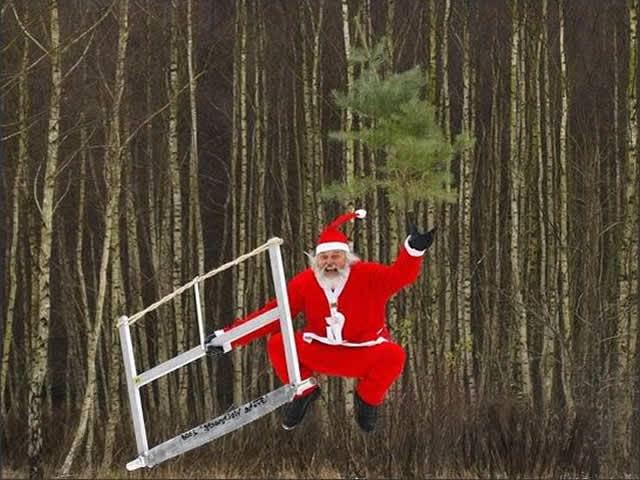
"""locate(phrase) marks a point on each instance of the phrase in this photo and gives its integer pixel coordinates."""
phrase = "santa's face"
(331, 263)
(331, 268)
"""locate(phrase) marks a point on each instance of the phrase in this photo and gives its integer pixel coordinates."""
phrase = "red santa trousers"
(375, 367)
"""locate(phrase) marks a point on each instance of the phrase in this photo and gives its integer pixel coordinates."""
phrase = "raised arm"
(389, 279)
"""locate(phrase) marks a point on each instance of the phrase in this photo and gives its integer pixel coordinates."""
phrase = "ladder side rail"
(135, 402)
(286, 323)
(196, 293)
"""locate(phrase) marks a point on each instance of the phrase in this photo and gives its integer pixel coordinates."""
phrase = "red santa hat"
(333, 239)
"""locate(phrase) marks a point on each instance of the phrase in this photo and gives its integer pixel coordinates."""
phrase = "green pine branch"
(403, 126)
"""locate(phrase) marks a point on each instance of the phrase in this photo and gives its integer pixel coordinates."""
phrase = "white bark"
(564, 262)
(241, 282)
(195, 230)
(40, 330)
(176, 209)
(112, 175)
(464, 202)
(518, 101)
(309, 226)
(23, 107)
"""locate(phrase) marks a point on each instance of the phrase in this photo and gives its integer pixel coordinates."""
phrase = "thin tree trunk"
(133, 262)
(392, 214)
(540, 335)
(195, 230)
(349, 168)
(518, 102)
(176, 211)
(241, 282)
(464, 230)
(549, 161)
(40, 331)
(118, 304)
(564, 324)
(316, 104)
(445, 277)
(12, 280)
(308, 144)
(633, 327)
(259, 200)
(112, 175)
(630, 284)
(373, 214)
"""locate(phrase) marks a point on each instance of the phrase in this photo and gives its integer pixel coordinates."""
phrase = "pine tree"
(401, 123)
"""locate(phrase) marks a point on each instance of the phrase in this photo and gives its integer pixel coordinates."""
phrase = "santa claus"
(343, 300)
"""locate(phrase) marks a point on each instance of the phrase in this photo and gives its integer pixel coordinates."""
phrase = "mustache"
(342, 271)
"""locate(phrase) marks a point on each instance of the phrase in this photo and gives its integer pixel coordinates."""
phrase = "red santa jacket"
(362, 300)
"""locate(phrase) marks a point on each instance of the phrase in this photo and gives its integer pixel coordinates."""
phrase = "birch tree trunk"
(464, 202)
(564, 324)
(22, 160)
(112, 176)
(445, 277)
(316, 104)
(133, 261)
(373, 214)
(83, 287)
(241, 281)
(282, 153)
(635, 367)
(176, 211)
(620, 178)
(550, 162)
(630, 240)
(40, 331)
(258, 200)
(538, 334)
(309, 198)
(159, 220)
(118, 304)
(518, 101)
(196, 235)
(392, 214)
(349, 168)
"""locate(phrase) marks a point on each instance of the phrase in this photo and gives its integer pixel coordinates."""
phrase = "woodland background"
(145, 141)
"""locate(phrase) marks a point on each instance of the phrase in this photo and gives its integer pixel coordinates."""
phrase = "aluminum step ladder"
(231, 420)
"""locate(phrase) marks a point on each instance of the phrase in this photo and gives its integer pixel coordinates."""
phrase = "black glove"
(212, 350)
(420, 241)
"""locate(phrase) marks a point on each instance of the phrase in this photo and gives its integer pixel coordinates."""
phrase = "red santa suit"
(345, 332)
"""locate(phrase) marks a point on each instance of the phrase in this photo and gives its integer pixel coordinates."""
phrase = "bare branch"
(90, 29)
(64, 194)
(155, 114)
(26, 32)
(82, 56)
(35, 189)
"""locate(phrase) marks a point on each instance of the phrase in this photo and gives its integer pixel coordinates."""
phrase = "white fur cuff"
(412, 251)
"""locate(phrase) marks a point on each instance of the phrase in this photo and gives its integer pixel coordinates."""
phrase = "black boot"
(294, 412)
(366, 414)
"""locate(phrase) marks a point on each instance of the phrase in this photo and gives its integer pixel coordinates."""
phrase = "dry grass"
(440, 437)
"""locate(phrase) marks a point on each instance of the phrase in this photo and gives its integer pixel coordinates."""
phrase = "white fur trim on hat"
(325, 247)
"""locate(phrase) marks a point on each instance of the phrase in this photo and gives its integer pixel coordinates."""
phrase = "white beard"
(332, 280)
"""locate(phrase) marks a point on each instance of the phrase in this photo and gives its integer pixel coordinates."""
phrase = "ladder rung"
(215, 428)
(169, 366)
